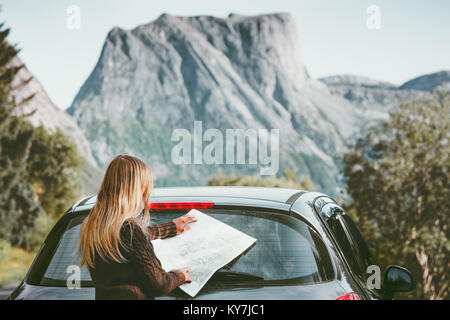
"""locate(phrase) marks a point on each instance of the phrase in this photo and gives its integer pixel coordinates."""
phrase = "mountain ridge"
(439, 80)
(247, 70)
(47, 114)
(237, 72)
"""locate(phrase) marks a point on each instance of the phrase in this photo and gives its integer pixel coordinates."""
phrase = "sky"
(402, 40)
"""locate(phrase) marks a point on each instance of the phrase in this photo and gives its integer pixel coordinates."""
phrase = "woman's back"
(141, 276)
(114, 246)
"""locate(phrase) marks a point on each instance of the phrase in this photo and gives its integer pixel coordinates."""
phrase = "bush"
(36, 236)
(397, 175)
(15, 266)
(5, 249)
(289, 180)
(40, 170)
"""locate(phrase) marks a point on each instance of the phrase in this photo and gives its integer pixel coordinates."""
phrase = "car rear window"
(287, 250)
(66, 256)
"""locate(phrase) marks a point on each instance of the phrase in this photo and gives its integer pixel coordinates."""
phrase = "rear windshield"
(286, 251)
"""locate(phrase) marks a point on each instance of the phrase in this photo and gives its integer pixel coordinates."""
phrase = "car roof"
(222, 193)
(261, 193)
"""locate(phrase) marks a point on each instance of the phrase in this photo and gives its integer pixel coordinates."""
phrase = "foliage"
(18, 205)
(5, 249)
(53, 169)
(15, 266)
(40, 230)
(38, 170)
(289, 180)
(397, 175)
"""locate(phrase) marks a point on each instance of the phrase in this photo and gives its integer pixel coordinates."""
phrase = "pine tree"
(18, 205)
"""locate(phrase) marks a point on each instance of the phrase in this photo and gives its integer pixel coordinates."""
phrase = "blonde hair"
(123, 196)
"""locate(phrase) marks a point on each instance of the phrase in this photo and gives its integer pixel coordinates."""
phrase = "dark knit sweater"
(141, 276)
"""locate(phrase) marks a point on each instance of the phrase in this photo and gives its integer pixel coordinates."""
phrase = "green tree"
(53, 170)
(397, 176)
(39, 171)
(289, 180)
(307, 184)
(18, 204)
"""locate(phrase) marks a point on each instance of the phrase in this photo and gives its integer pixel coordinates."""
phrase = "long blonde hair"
(123, 196)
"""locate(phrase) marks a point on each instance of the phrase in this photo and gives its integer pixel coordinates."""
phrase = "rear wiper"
(227, 274)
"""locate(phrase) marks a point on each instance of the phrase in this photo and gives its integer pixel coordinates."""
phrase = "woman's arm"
(153, 279)
(172, 228)
(162, 230)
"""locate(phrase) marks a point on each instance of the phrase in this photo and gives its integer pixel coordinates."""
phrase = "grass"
(15, 266)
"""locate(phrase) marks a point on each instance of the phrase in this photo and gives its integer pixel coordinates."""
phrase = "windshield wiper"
(227, 274)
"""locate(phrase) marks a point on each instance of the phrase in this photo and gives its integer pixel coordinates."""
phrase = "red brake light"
(180, 205)
(349, 296)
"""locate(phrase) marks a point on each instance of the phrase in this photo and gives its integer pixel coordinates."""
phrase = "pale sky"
(413, 39)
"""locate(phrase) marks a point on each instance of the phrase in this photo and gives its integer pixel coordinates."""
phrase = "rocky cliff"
(46, 113)
(238, 72)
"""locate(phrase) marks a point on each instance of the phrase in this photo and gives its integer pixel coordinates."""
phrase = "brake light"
(180, 205)
(349, 296)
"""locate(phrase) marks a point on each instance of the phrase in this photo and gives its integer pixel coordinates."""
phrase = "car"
(307, 248)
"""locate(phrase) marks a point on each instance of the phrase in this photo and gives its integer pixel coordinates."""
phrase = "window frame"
(52, 242)
(359, 273)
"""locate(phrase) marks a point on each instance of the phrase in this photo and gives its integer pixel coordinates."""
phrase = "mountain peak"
(259, 50)
(238, 72)
(429, 82)
(355, 80)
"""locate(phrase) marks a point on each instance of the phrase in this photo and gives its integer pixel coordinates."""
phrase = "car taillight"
(349, 296)
(180, 205)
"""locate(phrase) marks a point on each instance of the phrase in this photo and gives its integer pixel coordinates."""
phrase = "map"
(208, 246)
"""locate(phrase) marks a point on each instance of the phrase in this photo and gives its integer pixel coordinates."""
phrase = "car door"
(353, 248)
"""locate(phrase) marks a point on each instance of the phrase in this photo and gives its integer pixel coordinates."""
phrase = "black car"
(307, 248)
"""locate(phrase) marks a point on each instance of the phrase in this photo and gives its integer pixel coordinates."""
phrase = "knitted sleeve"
(162, 230)
(153, 279)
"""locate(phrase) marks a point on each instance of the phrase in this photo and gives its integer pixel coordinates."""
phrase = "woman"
(115, 237)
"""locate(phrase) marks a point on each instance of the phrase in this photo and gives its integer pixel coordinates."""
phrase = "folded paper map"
(208, 246)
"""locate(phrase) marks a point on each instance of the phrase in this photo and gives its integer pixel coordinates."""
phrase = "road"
(6, 291)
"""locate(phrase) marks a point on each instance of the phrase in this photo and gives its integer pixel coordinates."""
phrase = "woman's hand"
(182, 223)
(187, 277)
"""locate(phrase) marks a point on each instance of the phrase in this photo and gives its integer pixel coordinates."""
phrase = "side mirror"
(397, 279)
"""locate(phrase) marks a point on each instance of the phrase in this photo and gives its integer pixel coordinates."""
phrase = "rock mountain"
(47, 114)
(239, 72)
